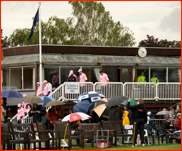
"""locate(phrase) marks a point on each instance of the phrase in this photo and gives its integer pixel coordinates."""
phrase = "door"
(126, 74)
(112, 72)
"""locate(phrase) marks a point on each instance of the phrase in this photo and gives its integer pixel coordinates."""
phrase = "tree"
(94, 26)
(154, 42)
(91, 25)
(4, 40)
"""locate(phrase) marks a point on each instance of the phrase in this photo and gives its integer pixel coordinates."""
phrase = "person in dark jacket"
(140, 117)
(4, 105)
(177, 122)
(115, 113)
(167, 124)
(36, 112)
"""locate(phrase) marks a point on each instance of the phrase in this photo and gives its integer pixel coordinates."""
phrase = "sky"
(160, 19)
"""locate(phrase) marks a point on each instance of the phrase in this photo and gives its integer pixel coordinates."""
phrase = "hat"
(19, 105)
(148, 113)
(45, 81)
(167, 117)
(179, 114)
(38, 83)
(24, 95)
(79, 70)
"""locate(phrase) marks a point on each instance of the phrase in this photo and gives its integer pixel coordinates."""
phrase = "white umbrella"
(76, 116)
(164, 113)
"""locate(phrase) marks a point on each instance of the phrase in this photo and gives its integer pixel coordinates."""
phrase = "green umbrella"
(179, 103)
(132, 102)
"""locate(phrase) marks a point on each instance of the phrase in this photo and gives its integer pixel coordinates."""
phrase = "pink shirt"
(20, 113)
(82, 78)
(103, 78)
(39, 91)
(46, 89)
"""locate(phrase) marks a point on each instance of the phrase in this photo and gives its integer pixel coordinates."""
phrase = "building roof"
(94, 50)
(90, 60)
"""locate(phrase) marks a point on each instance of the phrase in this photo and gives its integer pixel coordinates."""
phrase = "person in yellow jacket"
(154, 79)
(126, 120)
(141, 78)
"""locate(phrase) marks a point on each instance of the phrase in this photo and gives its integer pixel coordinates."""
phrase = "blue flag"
(36, 19)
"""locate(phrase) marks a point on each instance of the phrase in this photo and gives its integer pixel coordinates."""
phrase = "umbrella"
(81, 107)
(76, 116)
(179, 103)
(54, 103)
(100, 107)
(164, 113)
(46, 99)
(11, 94)
(116, 100)
(32, 99)
(97, 103)
(90, 96)
(132, 102)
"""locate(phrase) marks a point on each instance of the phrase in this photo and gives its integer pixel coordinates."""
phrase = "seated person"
(167, 124)
(75, 126)
(177, 122)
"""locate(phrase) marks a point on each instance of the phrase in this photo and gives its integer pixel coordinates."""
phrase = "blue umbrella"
(46, 100)
(90, 96)
(11, 94)
(81, 107)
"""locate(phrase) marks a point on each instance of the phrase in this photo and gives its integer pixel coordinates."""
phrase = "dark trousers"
(139, 127)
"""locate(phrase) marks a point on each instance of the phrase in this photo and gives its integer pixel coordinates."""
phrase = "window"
(125, 75)
(51, 74)
(160, 73)
(16, 78)
(5, 79)
(92, 73)
(28, 78)
(138, 73)
(174, 75)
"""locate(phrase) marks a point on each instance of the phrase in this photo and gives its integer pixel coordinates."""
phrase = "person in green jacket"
(141, 78)
(154, 79)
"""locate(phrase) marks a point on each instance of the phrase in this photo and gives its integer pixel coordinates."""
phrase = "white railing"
(137, 90)
(168, 91)
(109, 89)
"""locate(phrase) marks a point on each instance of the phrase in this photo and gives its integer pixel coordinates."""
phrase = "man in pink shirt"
(47, 90)
(103, 78)
(39, 90)
(82, 78)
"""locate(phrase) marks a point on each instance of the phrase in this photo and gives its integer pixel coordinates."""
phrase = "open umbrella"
(116, 101)
(132, 102)
(76, 116)
(97, 103)
(54, 103)
(90, 96)
(81, 107)
(164, 113)
(32, 100)
(46, 99)
(179, 103)
(11, 94)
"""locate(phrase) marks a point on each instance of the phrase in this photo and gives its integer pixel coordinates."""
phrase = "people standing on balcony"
(154, 79)
(47, 89)
(53, 115)
(82, 78)
(177, 122)
(72, 77)
(140, 117)
(39, 90)
(141, 78)
(103, 78)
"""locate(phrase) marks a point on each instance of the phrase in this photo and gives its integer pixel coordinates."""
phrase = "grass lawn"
(150, 147)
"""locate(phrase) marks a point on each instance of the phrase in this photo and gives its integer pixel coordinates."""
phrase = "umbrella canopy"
(179, 103)
(132, 102)
(81, 107)
(97, 103)
(100, 107)
(116, 101)
(32, 100)
(46, 99)
(164, 113)
(11, 94)
(90, 96)
(76, 116)
(54, 103)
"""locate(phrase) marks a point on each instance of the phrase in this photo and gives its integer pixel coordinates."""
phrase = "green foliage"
(151, 41)
(91, 24)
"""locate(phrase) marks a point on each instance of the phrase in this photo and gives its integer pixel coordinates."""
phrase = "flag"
(36, 19)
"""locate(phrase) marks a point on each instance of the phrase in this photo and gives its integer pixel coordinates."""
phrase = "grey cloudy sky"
(160, 19)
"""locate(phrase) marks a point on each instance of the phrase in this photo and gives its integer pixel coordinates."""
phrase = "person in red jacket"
(53, 115)
(177, 122)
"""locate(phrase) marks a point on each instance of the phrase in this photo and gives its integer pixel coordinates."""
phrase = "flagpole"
(40, 48)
